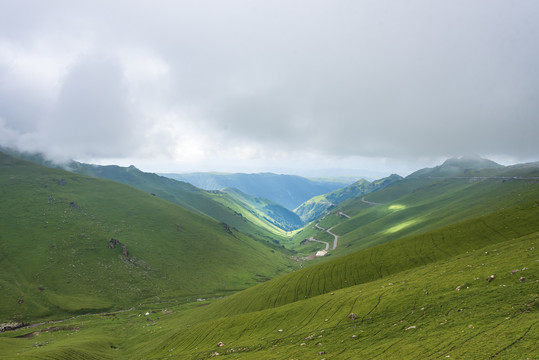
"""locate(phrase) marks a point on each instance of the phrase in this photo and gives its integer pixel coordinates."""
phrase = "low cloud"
(205, 82)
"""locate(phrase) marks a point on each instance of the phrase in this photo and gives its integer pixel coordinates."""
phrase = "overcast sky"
(283, 86)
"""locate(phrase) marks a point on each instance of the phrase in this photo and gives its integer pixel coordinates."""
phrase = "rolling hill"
(465, 291)
(440, 264)
(262, 209)
(73, 244)
(417, 204)
(318, 206)
(220, 207)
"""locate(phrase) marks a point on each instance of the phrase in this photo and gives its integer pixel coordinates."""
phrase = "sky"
(283, 86)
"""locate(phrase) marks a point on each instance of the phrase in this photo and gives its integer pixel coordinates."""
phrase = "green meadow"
(441, 264)
(57, 259)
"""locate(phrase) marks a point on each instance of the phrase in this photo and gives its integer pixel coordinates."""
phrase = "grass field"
(434, 309)
(56, 258)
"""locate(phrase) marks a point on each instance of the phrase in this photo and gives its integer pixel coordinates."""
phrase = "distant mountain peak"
(457, 166)
(469, 163)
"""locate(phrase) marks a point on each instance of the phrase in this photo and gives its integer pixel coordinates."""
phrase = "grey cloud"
(92, 115)
(390, 79)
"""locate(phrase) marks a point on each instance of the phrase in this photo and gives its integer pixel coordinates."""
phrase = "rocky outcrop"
(113, 243)
(128, 259)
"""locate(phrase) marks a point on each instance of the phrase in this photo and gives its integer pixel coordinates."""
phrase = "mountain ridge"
(287, 190)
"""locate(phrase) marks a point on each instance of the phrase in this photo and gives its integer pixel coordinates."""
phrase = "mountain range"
(441, 263)
(288, 190)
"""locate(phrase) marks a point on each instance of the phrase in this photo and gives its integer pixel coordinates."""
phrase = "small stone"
(522, 279)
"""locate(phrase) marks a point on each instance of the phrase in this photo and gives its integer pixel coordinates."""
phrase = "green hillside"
(187, 196)
(177, 192)
(464, 291)
(263, 210)
(319, 205)
(74, 244)
(389, 258)
(418, 204)
(441, 264)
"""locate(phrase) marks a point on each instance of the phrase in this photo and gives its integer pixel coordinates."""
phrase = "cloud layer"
(270, 81)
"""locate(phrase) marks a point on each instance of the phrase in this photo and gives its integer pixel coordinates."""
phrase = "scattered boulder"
(522, 279)
(352, 316)
(490, 278)
(513, 272)
(411, 327)
(220, 344)
(321, 353)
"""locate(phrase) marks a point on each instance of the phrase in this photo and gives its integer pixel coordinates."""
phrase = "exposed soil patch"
(49, 329)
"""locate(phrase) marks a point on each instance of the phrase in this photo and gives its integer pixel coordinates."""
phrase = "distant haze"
(282, 86)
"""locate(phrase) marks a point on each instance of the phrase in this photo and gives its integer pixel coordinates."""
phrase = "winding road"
(320, 241)
(335, 236)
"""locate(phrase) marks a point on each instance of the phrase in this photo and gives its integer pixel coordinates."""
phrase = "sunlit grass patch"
(402, 225)
(397, 207)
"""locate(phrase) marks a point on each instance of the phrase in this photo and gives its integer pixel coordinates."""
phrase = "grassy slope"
(262, 210)
(418, 204)
(406, 299)
(187, 196)
(386, 259)
(55, 256)
(317, 206)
